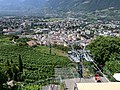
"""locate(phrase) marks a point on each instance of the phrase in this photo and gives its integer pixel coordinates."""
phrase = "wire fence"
(55, 83)
(46, 84)
(66, 73)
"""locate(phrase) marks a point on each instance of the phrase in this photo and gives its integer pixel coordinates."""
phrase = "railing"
(75, 87)
(52, 84)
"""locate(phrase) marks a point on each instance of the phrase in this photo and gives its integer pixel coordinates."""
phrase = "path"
(71, 83)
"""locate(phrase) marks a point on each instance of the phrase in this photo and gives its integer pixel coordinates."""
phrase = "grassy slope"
(38, 63)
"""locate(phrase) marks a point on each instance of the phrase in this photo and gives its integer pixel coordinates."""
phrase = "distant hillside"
(78, 5)
(47, 6)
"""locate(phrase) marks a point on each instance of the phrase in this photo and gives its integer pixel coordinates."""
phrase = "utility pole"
(50, 46)
(80, 71)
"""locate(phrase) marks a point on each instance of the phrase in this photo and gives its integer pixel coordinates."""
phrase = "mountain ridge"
(89, 5)
(57, 5)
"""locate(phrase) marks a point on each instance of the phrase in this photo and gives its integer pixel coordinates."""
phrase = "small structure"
(32, 43)
(117, 76)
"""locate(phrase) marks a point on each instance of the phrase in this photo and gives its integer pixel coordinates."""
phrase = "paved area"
(104, 80)
(51, 87)
(88, 80)
(71, 83)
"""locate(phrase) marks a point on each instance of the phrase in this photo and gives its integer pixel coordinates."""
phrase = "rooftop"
(99, 86)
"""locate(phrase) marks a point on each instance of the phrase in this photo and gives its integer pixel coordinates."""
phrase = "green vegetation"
(54, 50)
(62, 87)
(29, 65)
(61, 47)
(32, 87)
(106, 51)
(3, 79)
(87, 69)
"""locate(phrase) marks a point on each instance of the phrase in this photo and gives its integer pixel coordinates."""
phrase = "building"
(32, 43)
(99, 86)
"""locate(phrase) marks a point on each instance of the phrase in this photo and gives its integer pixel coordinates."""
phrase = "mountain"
(48, 6)
(82, 5)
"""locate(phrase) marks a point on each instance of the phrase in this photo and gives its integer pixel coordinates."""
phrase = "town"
(59, 44)
(80, 40)
(59, 31)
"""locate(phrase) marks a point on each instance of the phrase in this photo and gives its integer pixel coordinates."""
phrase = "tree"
(15, 71)
(22, 41)
(12, 70)
(20, 64)
(103, 47)
(106, 51)
(3, 78)
(112, 67)
(13, 37)
(8, 70)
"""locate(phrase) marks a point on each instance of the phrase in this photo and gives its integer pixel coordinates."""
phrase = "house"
(45, 30)
(32, 43)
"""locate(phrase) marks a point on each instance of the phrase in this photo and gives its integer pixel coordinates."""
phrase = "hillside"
(55, 6)
(78, 5)
(38, 64)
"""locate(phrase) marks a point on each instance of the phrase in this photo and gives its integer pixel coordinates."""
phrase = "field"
(38, 64)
